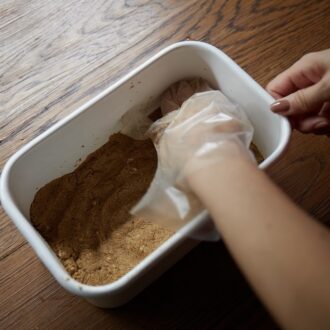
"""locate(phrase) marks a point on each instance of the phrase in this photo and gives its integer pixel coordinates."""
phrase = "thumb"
(303, 101)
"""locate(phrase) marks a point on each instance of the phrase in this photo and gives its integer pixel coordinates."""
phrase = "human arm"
(204, 149)
(282, 251)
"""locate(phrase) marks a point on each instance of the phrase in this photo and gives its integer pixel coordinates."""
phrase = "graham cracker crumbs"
(84, 215)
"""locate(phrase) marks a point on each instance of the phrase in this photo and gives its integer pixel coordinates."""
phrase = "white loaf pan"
(56, 151)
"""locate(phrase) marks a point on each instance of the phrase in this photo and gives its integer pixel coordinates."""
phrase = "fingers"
(325, 110)
(314, 124)
(303, 93)
(228, 125)
(303, 101)
(282, 85)
(305, 72)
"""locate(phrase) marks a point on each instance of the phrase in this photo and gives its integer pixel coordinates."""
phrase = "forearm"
(282, 251)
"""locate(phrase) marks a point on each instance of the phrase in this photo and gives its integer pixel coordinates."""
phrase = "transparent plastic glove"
(207, 129)
(179, 92)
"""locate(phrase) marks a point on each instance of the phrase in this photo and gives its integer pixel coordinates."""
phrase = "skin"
(282, 251)
(306, 86)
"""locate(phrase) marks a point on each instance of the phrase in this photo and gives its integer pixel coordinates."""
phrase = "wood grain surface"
(56, 55)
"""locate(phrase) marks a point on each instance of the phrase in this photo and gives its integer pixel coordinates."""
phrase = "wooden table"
(56, 55)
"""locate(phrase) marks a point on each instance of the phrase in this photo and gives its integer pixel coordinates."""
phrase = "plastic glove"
(207, 129)
(179, 92)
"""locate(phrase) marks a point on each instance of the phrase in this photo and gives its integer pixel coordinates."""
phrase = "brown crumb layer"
(84, 215)
(257, 154)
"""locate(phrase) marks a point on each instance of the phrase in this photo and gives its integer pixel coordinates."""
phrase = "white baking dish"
(56, 151)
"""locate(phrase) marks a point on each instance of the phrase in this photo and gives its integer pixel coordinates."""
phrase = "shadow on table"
(204, 290)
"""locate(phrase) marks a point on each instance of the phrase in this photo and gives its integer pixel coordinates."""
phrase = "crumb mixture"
(257, 154)
(84, 215)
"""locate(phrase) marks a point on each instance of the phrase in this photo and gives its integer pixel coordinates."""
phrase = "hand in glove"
(205, 130)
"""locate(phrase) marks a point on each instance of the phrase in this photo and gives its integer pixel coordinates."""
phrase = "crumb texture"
(84, 215)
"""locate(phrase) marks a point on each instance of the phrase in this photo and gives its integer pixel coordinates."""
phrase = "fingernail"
(280, 106)
(320, 124)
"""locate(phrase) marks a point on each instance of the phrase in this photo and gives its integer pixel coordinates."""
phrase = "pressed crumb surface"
(84, 215)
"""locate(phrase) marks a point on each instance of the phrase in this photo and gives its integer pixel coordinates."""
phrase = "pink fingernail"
(280, 106)
(320, 124)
